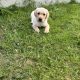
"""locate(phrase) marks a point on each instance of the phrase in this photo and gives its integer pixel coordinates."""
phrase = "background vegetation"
(27, 55)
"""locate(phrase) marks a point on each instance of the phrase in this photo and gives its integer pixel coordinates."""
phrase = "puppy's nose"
(40, 20)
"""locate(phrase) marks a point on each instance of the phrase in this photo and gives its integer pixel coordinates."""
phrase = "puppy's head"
(41, 14)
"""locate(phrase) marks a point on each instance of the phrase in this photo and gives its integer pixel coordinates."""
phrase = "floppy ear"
(35, 13)
(47, 14)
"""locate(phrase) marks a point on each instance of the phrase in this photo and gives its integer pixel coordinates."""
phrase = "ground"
(28, 55)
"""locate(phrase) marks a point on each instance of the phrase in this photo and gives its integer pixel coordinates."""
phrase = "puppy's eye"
(44, 14)
(38, 13)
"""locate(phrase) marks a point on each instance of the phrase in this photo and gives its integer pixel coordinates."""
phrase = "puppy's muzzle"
(40, 20)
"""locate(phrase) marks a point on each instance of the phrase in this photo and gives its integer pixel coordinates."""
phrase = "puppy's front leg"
(36, 29)
(46, 28)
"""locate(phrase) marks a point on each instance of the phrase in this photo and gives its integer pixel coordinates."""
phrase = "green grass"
(27, 55)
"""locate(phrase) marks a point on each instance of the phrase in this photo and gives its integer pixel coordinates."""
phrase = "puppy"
(39, 17)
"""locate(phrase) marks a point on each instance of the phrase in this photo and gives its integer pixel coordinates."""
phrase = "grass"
(27, 55)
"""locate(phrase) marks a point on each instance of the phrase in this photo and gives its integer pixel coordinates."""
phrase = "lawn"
(28, 55)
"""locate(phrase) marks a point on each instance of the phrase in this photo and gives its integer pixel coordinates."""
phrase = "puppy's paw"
(37, 30)
(46, 31)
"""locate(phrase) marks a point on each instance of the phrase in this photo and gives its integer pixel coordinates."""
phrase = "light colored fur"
(35, 19)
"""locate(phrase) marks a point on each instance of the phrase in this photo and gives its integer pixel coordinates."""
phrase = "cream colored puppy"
(39, 17)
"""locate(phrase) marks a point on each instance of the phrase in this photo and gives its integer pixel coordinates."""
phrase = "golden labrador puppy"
(39, 17)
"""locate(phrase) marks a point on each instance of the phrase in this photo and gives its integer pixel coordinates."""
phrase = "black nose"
(40, 20)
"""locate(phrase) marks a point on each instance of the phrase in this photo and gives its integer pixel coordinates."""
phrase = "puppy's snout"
(40, 20)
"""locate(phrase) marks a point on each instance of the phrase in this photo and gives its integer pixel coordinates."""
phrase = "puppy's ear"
(47, 14)
(35, 13)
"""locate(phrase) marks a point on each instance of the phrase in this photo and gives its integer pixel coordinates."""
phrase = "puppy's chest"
(40, 24)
